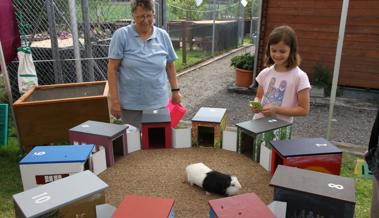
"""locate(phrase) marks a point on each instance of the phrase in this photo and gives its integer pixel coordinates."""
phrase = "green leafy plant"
(322, 76)
(255, 104)
(244, 61)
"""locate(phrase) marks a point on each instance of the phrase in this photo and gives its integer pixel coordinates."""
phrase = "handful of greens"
(256, 105)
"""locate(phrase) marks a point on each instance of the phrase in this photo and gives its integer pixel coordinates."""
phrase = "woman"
(141, 59)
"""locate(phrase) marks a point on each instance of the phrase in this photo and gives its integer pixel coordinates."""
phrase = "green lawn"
(10, 180)
(107, 11)
(196, 56)
(193, 57)
(363, 186)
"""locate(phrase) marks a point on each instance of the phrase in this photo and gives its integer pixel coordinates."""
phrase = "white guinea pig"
(212, 181)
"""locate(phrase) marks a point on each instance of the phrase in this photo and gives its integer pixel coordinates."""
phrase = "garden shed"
(316, 24)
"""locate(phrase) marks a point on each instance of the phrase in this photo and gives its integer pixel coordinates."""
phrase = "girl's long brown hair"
(288, 36)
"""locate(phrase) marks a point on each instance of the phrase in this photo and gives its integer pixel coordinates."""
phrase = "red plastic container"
(177, 111)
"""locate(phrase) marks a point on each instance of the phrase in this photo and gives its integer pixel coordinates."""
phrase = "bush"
(322, 76)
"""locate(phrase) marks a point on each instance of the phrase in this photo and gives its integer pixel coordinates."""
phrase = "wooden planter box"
(45, 113)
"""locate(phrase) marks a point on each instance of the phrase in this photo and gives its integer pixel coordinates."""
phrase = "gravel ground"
(207, 86)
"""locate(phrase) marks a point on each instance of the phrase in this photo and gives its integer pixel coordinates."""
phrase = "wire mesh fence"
(71, 44)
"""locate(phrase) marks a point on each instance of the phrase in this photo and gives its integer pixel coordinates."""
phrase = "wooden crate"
(45, 113)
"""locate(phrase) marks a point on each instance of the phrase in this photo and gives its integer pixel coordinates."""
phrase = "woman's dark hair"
(288, 36)
(145, 4)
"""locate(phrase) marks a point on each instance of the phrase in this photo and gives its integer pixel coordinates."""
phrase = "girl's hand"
(255, 106)
(269, 110)
(255, 109)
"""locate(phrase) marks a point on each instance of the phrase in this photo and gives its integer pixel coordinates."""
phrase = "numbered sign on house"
(314, 194)
(73, 196)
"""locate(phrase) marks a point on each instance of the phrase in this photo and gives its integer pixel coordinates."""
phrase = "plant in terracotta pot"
(244, 64)
(322, 81)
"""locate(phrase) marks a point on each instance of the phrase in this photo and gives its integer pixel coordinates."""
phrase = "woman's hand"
(176, 97)
(116, 110)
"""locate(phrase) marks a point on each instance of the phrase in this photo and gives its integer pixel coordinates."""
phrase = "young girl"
(283, 88)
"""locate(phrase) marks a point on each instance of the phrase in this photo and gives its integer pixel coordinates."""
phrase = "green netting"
(3, 124)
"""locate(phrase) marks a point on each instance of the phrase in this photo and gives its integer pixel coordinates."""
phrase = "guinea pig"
(212, 181)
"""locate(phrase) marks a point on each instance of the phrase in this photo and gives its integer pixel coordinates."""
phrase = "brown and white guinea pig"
(212, 181)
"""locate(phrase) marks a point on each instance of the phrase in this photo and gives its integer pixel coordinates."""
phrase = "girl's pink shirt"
(281, 88)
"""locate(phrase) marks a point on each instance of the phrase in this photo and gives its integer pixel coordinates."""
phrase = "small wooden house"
(247, 205)
(315, 154)
(112, 137)
(145, 207)
(313, 194)
(156, 129)
(254, 136)
(45, 164)
(207, 126)
(73, 196)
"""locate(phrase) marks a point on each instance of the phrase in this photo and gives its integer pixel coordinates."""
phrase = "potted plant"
(243, 64)
(321, 80)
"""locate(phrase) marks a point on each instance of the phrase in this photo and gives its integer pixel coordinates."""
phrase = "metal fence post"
(75, 40)
(54, 42)
(213, 27)
(87, 40)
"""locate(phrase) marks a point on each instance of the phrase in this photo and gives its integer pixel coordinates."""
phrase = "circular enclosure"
(161, 173)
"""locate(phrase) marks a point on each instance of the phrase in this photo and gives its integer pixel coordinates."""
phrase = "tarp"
(9, 35)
